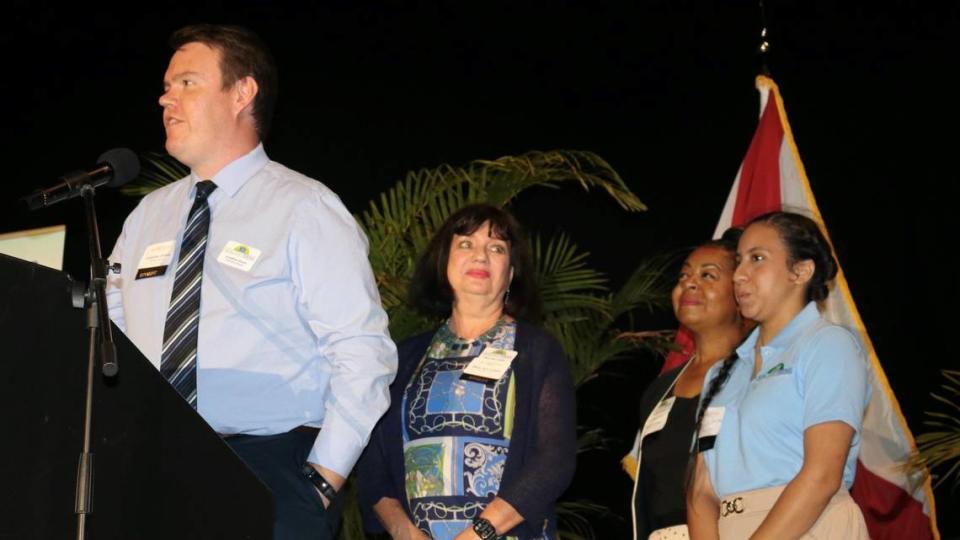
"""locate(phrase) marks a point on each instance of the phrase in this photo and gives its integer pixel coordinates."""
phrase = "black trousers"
(277, 460)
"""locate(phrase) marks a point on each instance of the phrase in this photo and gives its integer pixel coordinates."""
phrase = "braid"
(715, 386)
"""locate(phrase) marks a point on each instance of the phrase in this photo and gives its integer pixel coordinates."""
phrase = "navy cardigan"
(542, 451)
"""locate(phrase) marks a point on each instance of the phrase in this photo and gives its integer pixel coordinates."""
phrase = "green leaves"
(400, 222)
(940, 449)
(584, 316)
(156, 171)
(501, 180)
(567, 284)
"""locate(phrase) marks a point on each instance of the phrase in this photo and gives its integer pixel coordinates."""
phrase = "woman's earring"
(506, 296)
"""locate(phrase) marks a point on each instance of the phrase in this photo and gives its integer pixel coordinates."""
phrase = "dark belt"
(299, 429)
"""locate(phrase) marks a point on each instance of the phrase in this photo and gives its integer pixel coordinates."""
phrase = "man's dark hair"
(242, 54)
(430, 290)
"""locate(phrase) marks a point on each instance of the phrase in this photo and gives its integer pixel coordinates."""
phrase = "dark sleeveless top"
(663, 469)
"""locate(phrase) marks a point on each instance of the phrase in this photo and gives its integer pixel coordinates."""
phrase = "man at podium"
(247, 285)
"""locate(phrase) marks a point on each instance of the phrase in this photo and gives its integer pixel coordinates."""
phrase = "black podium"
(160, 472)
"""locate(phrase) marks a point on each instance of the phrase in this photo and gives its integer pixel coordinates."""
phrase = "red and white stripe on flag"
(896, 505)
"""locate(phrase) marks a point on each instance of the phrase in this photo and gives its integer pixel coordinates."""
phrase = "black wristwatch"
(319, 481)
(484, 529)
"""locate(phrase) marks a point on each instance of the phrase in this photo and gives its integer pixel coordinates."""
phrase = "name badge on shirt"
(658, 418)
(710, 427)
(489, 366)
(156, 258)
(239, 256)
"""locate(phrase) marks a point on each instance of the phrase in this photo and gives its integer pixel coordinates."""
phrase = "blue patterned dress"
(456, 433)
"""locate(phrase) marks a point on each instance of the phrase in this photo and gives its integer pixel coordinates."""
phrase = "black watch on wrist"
(319, 481)
(484, 529)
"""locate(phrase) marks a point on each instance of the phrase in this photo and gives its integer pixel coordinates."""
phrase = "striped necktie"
(178, 359)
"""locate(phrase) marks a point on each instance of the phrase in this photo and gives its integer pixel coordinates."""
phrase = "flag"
(896, 504)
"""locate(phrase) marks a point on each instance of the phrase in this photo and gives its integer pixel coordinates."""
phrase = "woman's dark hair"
(242, 54)
(727, 241)
(430, 291)
(804, 241)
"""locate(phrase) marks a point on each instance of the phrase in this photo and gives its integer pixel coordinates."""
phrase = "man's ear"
(245, 90)
(803, 271)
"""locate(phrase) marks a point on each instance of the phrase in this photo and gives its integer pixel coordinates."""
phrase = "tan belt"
(760, 500)
(741, 514)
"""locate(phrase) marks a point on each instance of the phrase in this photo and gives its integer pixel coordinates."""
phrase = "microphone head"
(125, 165)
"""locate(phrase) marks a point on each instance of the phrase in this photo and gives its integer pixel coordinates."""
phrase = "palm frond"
(940, 450)
(647, 288)
(403, 219)
(574, 519)
(586, 338)
(156, 171)
(506, 177)
(567, 284)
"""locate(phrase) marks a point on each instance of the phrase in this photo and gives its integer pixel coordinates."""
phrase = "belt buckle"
(731, 506)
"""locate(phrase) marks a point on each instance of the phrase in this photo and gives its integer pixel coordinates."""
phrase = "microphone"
(114, 168)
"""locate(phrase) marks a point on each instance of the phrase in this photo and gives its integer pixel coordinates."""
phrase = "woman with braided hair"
(778, 428)
(703, 302)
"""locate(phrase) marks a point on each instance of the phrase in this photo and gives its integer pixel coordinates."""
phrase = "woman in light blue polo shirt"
(779, 422)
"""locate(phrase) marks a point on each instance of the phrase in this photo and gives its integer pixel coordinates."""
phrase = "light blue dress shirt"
(812, 372)
(298, 337)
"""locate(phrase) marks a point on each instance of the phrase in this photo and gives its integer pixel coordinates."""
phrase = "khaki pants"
(742, 513)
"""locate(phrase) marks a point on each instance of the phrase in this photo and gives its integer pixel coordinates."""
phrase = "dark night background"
(661, 89)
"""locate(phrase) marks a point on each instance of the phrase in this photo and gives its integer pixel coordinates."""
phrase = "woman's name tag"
(710, 427)
(489, 366)
(658, 418)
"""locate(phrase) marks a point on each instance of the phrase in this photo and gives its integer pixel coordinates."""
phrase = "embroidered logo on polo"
(779, 369)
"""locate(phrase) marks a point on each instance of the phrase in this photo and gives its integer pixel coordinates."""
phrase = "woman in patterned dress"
(483, 454)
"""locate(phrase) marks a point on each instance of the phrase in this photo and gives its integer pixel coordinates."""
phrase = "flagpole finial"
(764, 44)
(763, 49)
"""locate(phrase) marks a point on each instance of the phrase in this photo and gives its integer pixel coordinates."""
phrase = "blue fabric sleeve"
(833, 379)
